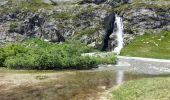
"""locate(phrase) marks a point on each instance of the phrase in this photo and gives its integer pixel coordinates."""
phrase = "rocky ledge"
(83, 20)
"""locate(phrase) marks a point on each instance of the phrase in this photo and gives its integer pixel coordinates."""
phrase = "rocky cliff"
(145, 16)
(88, 21)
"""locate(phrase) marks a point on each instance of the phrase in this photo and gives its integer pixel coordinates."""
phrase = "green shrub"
(37, 54)
(11, 50)
(22, 61)
(2, 58)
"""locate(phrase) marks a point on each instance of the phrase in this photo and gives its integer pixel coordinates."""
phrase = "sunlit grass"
(149, 45)
(144, 89)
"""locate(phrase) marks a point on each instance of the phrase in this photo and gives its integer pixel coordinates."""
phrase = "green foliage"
(37, 54)
(90, 9)
(34, 5)
(10, 50)
(2, 58)
(149, 45)
(12, 26)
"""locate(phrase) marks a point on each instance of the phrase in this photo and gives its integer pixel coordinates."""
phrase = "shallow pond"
(73, 85)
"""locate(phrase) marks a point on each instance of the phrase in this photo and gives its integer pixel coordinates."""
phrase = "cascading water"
(119, 34)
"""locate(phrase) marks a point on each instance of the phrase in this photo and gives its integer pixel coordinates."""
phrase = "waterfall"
(119, 34)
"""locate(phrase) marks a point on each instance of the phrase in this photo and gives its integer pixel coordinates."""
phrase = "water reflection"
(119, 77)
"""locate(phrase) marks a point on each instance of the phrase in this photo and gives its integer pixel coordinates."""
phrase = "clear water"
(63, 86)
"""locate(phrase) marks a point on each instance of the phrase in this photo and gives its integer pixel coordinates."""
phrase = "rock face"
(89, 21)
(108, 26)
(142, 17)
(57, 24)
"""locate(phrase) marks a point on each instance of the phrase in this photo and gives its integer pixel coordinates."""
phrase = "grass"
(144, 89)
(150, 46)
(64, 16)
(137, 4)
(87, 31)
(32, 6)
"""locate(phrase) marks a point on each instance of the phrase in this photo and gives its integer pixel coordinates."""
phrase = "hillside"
(84, 20)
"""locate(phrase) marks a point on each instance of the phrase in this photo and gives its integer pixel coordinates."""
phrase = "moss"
(63, 15)
(121, 8)
(137, 4)
(87, 31)
(13, 26)
(28, 6)
(61, 26)
(88, 10)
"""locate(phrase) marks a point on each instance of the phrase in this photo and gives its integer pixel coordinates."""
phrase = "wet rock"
(109, 26)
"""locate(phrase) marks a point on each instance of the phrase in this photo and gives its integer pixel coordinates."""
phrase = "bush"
(37, 54)
(2, 59)
(11, 50)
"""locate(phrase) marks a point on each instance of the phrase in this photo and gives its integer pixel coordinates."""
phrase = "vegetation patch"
(137, 4)
(63, 15)
(87, 31)
(13, 26)
(33, 5)
(149, 45)
(144, 89)
(37, 54)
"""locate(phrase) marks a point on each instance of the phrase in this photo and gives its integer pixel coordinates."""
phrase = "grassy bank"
(149, 45)
(144, 89)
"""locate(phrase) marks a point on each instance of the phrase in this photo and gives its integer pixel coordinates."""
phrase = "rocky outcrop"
(109, 24)
(142, 20)
(57, 24)
(144, 16)
(89, 21)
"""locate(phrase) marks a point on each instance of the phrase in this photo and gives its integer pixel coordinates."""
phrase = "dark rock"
(93, 1)
(108, 26)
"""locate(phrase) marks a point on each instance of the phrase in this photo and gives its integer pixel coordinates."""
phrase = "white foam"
(119, 35)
